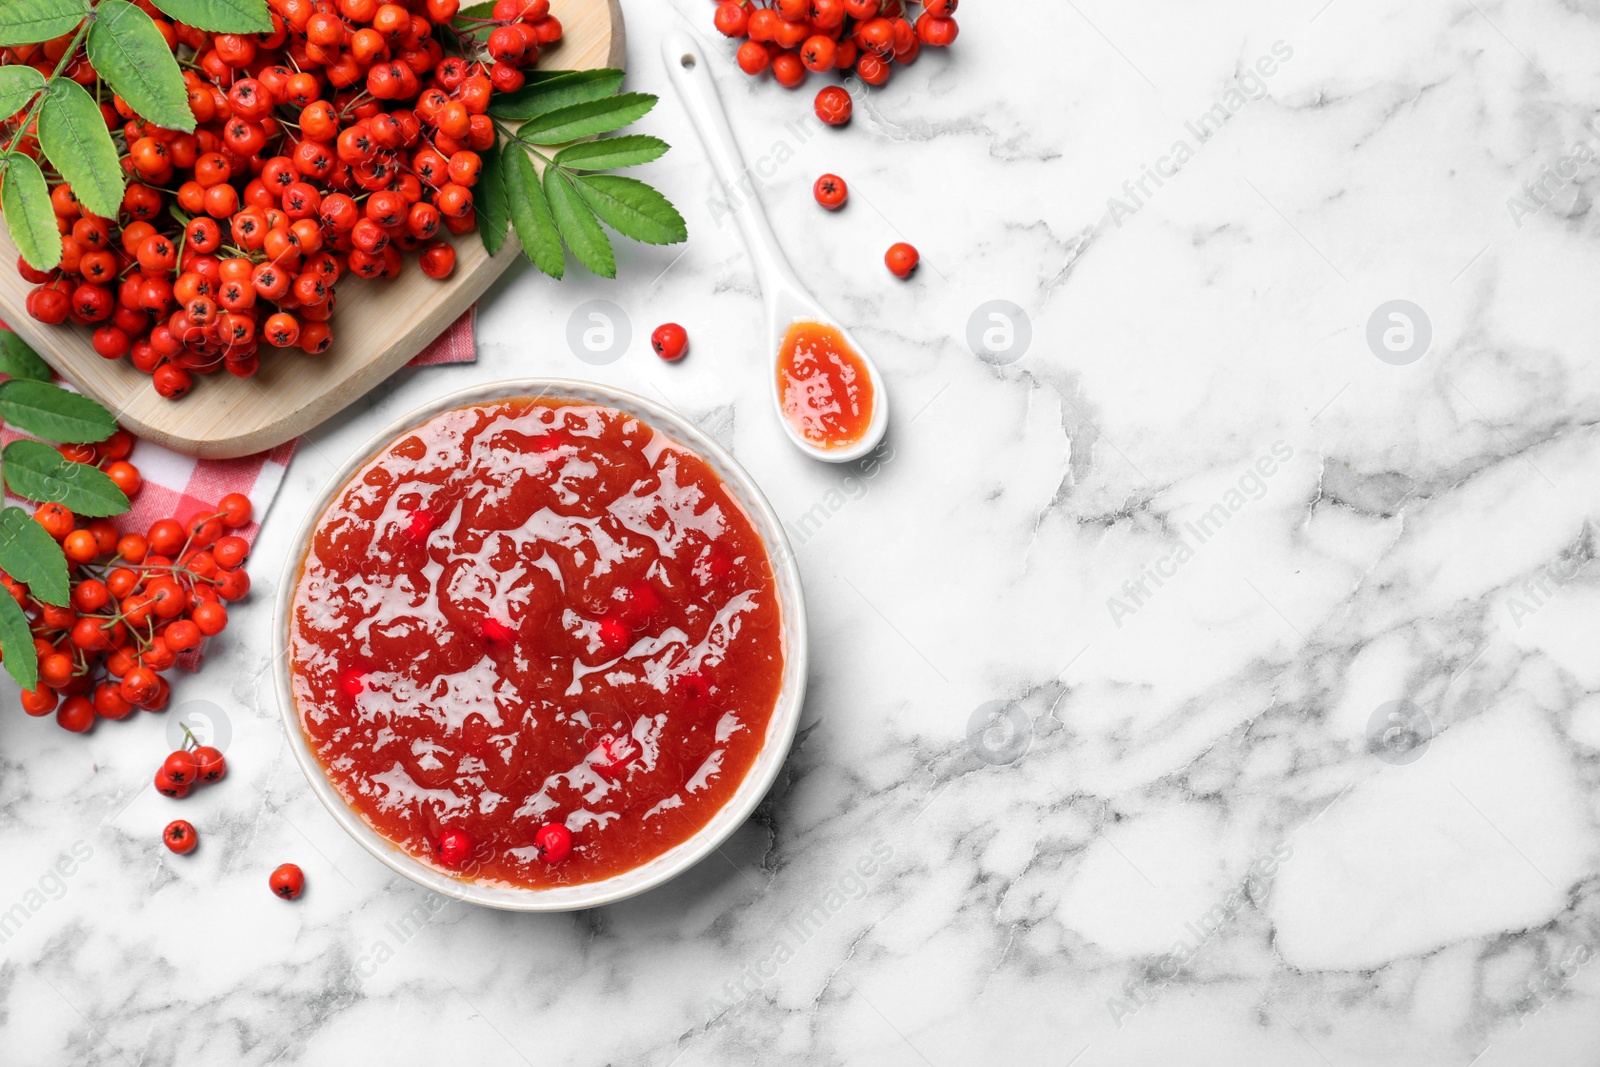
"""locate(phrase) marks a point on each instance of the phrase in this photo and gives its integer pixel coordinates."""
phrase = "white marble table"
(1295, 634)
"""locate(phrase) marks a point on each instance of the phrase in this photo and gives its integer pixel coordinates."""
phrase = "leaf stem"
(530, 145)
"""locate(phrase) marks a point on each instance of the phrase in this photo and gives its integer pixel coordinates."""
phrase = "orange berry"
(235, 509)
(80, 546)
(126, 475)
(56, 520)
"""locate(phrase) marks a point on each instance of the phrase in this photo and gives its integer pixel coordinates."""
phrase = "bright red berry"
(169, 788)
(615, 636)
(818, 54)
(731, 18)
(420, 524)
(182, 636)
(901, 259)
(288, 881)
(788, 69)
(937, 32)
(172, 381)
(180, 837)
(230, 551)
(76, 714)
(352, 681)
(210, 619)
(181, 768)
(438, 260)
(454, 848)
(670, 341)
(496, 632)
(210, 765)
(753, 57)
(834, 106)
(235, 510)
(554, 842)
(831, 191)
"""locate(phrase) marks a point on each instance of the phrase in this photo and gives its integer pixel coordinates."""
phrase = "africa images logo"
(598, 332)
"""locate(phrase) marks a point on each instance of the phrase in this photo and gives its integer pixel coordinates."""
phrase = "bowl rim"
(781, 727)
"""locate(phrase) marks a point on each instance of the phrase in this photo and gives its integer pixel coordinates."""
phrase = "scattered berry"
(831, 191)
(288, 881)
(901, 259)
(180, 837)
(670, 341)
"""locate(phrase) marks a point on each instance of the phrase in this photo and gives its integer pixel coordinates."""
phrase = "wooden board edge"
(330, 403)
(619, 37)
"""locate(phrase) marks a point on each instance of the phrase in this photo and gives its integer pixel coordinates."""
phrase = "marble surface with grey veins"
(1206, 674)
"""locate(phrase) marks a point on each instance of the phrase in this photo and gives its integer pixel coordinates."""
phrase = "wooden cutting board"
(378, 326)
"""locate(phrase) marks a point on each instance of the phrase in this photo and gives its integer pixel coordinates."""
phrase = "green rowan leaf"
(579, 228)
(220, 16)
(32, 556)
(610, 153)
(632, 208)
(35, 471)
(25, 202)
(32, 21)
(133, 58)
(48, 411)
(73, 134)
(530, 212)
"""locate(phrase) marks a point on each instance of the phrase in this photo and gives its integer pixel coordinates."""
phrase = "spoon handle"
(689, 69)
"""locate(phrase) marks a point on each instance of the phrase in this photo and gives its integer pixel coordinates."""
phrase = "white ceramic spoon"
(787, 299)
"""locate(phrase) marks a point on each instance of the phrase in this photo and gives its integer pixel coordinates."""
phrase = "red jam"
(825, 388)
(536, 613)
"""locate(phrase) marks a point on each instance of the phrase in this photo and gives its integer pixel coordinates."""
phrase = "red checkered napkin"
(179, 486)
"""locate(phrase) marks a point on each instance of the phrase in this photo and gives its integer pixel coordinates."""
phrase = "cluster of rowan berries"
(138, 602)
(331, 145)
(185, 768)
(797, 37)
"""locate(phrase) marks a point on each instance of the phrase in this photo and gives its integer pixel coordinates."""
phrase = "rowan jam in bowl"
(536, 643)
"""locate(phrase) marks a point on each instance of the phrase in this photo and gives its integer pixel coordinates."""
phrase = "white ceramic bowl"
(780, 729)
